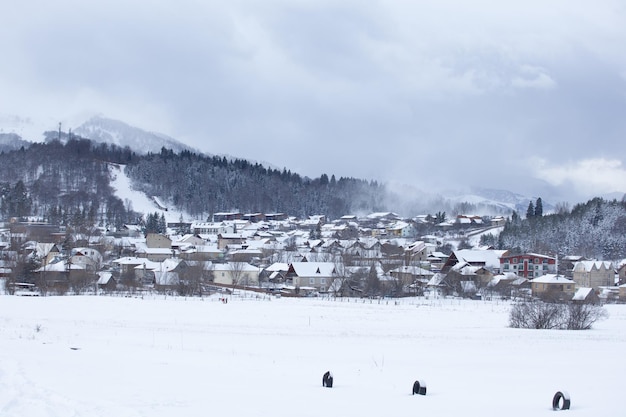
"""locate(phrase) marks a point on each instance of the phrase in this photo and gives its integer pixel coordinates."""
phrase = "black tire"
(327, 380)
(556, 401)
(419, 387)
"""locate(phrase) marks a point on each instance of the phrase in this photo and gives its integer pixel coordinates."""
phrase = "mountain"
(105, 130)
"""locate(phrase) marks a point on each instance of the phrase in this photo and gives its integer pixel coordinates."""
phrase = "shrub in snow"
(536, 314)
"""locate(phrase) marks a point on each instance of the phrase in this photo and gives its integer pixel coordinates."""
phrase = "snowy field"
(113, 356)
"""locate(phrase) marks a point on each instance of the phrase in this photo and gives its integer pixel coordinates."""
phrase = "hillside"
(70, 182)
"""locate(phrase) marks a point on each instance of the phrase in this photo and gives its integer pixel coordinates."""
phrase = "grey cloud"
(414, 91)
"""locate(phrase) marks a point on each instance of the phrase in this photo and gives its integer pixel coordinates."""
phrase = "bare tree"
(581, 316)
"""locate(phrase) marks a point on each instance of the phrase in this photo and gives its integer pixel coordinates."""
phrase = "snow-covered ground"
(157, 356)
(140, 202)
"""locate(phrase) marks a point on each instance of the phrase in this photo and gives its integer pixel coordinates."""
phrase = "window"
(312, 281)
(530, 274)
(506, 267)
(323, 281)
(514, 260)
(536, 260)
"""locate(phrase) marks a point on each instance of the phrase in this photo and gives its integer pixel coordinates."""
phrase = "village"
(374, 256)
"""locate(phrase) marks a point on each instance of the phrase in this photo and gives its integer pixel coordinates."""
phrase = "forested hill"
(595, 229)
(70, 182)
(201, 184)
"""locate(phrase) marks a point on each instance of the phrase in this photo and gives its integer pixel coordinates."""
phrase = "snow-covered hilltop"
(102, 129)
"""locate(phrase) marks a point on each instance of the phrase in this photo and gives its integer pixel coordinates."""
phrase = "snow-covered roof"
(129, 260)
(234, 266)
(582, 294)
(313, 269)
(105, 277)
(491, 258)
(552, 279)
(278, 266)
(587, 266)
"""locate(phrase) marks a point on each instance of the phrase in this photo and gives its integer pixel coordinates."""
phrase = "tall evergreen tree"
(530, 212)
(539, 208)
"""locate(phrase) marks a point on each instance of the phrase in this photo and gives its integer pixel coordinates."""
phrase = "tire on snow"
(327, 380)
(419, 387)
(556, 401)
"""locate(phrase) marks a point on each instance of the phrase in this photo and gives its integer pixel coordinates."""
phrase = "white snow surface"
(140, 202)
(162, 356)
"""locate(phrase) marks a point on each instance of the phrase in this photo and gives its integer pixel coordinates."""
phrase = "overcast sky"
(499, 94)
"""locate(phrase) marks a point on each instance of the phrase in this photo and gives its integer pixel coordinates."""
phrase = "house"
(437, 260)
(593, 274)
(254, 217)
(276, 273)
(469, 219)
(465, 279)
(90, 259)
(106, 282)
(488, 258)
(501, 284)
(318, 275)
(59, 273)
(412, 275)
(552, 286)
(622, 293)
(155, 254)
(566, 264)
(220, 217)
(47, 252)
(401, 229)
(162, 275)
(127, 264)
(156, 240)
(278, 217)
(211, 228)
(585, 296)
(226, 239)
(416, 251)
(208, 252)
(233, 273)
(528, 265)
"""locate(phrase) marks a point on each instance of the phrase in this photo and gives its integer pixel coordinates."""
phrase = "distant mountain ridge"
(105, 130)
